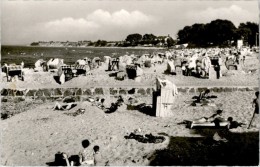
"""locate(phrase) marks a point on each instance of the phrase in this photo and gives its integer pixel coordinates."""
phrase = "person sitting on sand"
(100, 103)
(202, 98)
(203, 95)
(97, 156)
(67, 106)
(114, 106)
(86, 156)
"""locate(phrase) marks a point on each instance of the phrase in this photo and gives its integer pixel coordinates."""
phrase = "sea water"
(30, 54)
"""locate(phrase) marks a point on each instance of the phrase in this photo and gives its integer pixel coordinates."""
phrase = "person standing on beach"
(243, 60)
(217, 66)
(256, 103)
(256, 106)
(206, 63)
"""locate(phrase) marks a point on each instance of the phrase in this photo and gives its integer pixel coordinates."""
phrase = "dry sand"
(33, 137)
(100, 78)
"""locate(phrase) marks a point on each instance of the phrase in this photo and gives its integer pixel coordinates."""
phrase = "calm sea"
(29, 55)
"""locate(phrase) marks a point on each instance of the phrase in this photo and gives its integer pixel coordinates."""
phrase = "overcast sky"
(27, 21)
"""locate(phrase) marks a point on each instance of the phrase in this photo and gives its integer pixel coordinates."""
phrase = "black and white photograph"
(129, 83)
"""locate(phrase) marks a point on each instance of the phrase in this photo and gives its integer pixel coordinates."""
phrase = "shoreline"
(87, 47)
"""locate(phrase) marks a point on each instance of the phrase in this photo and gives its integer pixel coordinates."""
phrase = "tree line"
(131, 40)
(148, 40)
(218, 33)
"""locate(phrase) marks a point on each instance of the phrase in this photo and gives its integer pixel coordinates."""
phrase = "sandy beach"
(35, 136)
(38, 132)
(248, 76)
(123, 83)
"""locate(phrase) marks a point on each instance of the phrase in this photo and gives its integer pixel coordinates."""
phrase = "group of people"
(197, 62)
(86, 157)
(217, 117)
(94, 158)
(193, 66)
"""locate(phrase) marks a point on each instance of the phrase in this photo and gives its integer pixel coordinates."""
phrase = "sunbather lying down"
(213, 121)
(203, 99)
(66, 106)
(115, 106)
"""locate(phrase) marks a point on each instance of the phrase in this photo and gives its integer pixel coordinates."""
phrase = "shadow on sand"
(60, 161)
(56, 78)
(143, 108)
(241, 149)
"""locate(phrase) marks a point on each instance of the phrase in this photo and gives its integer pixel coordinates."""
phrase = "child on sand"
(233, 124)
(97, 156)
(93, 159)
(86, 156)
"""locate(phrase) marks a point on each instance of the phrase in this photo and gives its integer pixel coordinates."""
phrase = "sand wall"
(86, 92)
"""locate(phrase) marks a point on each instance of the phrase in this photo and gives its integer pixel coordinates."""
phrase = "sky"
(27, 21)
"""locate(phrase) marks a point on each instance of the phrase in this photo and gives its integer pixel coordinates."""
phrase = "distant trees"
(170, 42)
(217, 33)
(148, 39)
(100, 43)
(133, 39)
(248, 32)
(35, 44)
(184, 35)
